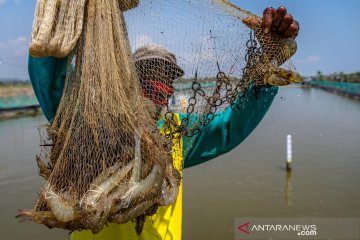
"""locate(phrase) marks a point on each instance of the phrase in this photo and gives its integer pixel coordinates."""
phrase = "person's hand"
(276, 22)
(279, 21)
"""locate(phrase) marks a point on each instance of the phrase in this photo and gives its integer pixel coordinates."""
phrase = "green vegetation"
(338, 77)
(15, 84)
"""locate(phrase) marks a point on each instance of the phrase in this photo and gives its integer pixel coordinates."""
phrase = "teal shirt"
(47, 76)
(223, 134)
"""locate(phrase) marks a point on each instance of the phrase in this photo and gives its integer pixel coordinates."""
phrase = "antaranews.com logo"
(297, 228)
(301, 230)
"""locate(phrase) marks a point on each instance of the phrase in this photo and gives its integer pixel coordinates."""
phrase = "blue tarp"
(17, 101)
(343, 87)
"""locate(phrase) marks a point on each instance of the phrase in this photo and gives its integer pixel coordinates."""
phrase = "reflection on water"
(288, 188)
(250, 181)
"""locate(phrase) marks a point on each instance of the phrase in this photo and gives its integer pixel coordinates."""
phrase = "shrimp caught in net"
(97, 147)
(103, 157)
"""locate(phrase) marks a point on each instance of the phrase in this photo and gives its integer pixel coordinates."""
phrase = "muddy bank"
(13, 90)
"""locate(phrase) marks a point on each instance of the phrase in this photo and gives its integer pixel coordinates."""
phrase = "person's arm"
(47, 75)
(229, 129)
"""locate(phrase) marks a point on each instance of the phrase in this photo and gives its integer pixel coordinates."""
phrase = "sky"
(329, 38)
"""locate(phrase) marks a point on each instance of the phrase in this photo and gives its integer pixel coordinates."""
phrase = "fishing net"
(221, 49)
(103, 156)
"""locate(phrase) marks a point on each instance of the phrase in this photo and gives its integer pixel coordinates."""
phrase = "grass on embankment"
(15, 89)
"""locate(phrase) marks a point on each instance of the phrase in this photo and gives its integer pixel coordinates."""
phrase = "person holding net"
(223, 134)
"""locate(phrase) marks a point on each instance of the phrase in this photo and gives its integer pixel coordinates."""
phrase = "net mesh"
(221, 50)
(103, 155)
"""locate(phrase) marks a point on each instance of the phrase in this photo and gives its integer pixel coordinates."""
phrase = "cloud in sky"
(142, 40)
(15, 47)
(310, 59)
(4, 1)
(14, 54)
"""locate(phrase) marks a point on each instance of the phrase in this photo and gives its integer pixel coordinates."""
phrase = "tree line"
(338, 77)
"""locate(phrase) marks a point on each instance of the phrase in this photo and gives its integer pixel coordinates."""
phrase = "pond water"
(250, 181)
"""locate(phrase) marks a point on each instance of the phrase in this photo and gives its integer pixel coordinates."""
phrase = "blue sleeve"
(229, 129)
(47, 75)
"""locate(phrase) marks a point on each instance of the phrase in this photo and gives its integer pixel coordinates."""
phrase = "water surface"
(250, 181)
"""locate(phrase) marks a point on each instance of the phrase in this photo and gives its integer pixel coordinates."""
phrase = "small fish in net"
(104, 158)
